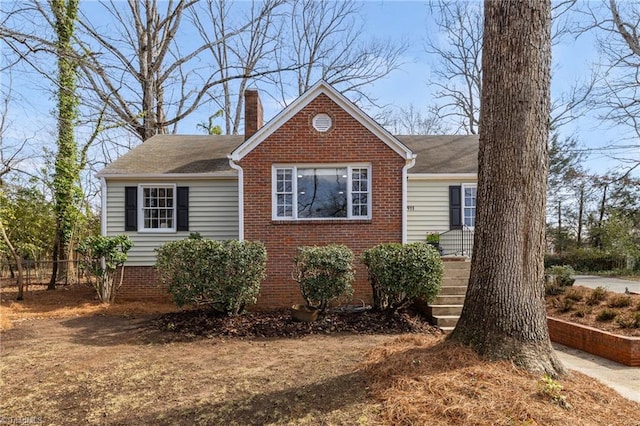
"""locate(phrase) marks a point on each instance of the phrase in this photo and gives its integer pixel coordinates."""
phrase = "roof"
(450, 154)
(176, 154)
(321, 87)
(204, 154)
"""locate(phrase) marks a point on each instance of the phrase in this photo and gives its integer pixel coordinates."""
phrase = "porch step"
(445, 321)
(453, 290)
(440, 310)
(449, 299)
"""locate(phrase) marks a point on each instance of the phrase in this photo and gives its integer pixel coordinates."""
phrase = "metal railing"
(457, 242)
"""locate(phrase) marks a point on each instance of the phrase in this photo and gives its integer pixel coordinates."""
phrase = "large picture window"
(158, 208)
(322, 192)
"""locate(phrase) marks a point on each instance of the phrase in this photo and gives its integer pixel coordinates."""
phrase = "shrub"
(597, 295)
(223, 275)
(619, 301)
(565, 305)
(573, 294)
(587, 260)
(629, 320)
(101, 257)
(562, 275)
(324, 274)
(606, 315)
(401, 273)
(552, 289)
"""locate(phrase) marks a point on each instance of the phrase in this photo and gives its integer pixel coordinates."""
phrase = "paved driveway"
(612, 284)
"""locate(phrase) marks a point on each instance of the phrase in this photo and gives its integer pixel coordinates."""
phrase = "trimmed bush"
(399, 274)
(223, 275)
(562, 275)
(324, 274)
(587, 260)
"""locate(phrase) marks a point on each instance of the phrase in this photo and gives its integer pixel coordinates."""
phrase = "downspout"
(409, 163)
(235, 166)
(103, 207)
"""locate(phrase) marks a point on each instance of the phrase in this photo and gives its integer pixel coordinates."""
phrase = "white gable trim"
(321, 87)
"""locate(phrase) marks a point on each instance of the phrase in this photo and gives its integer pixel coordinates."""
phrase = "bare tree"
(324, 38)
(616, 27)
(238, 52)
(410, 120)
(504, 314)
(457, 71)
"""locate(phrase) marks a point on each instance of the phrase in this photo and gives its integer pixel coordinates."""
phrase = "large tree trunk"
(504, 313)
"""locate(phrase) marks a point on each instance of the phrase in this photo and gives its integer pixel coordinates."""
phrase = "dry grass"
(425, 380)
(67, 301)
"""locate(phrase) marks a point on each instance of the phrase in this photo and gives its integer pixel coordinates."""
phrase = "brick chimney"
(253, 119)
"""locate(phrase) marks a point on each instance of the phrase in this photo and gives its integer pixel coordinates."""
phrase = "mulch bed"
(279, 324)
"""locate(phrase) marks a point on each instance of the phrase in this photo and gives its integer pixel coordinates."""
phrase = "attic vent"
(322, 122)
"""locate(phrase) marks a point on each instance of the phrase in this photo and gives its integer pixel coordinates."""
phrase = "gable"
(321, 89)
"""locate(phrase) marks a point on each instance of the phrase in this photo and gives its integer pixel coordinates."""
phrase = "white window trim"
(463, 187)
(141, 228)
(294, 183)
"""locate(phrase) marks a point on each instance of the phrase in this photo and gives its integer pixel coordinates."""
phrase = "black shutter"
(455, 207)
(130, 208)
(183, 208)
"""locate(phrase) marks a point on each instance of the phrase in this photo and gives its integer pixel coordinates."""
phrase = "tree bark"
(504, 314)
(18, 260)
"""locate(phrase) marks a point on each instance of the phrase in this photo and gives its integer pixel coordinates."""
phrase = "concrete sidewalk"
(616, 285)
(624, 380)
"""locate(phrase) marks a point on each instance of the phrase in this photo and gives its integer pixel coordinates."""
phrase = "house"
(320, 172)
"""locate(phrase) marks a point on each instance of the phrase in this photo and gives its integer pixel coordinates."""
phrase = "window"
(322, 192)
(157, 204)
(469, 205)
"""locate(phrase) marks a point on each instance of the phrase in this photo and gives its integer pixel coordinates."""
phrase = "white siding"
(213, 212)
(428, 206)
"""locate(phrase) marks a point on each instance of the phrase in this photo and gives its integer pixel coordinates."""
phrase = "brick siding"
(296, 142)
(141, 283)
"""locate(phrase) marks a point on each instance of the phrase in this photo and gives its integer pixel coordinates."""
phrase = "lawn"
(75, 362)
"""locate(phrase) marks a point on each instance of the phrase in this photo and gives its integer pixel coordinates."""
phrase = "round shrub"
(562, 275)
(324, 274)
(400, 273)
(223, 275)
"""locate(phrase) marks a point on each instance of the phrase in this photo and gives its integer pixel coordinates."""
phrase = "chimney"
(253, 119)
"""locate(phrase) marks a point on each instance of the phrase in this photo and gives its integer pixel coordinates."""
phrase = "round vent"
(322, 122)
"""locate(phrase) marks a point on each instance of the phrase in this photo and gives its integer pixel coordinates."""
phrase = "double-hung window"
(469, 193)
(158, 211)
(321, 192)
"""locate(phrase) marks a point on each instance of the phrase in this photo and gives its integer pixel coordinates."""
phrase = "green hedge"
(324, 274)
(401, 273)
(585, 260)
(223, 275)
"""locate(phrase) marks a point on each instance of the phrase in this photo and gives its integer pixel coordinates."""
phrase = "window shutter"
(183, 208)
(130, 208)
(455, 207)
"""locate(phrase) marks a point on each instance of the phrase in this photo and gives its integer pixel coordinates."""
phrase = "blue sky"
(408, 20)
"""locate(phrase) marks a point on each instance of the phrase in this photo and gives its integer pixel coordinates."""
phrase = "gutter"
(237, 167)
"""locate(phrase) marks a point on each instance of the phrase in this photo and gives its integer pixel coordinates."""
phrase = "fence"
(38, 272)
(457, 242)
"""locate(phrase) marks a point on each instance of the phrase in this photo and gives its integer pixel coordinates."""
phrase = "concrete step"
(446, 329)
(453, 290)
(439, 310)
(453, 281)
(449, 299)
(446, 320)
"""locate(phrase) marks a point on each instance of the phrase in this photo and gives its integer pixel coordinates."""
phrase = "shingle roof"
(163, 154)
(443, 154)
